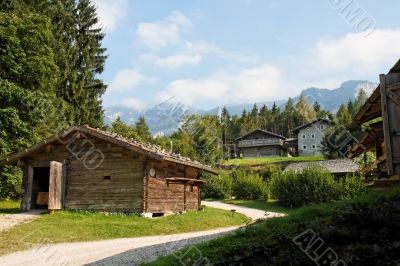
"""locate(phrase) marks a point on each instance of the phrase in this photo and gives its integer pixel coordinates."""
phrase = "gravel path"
(124, 251)
(7, 221)
(250, 212)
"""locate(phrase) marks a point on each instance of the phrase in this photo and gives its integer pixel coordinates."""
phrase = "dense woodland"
(51, 58)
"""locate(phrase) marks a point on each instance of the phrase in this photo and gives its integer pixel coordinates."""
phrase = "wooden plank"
(391, 119)
(386, 125)
(55, 186)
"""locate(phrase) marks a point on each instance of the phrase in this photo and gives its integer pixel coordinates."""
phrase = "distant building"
(337, 167)
(262, 143)
(310, 136)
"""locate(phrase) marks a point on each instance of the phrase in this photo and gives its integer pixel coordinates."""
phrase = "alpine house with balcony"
(262, 143)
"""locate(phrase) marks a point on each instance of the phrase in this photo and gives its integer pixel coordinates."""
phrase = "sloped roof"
(312, 122)
(153, 151)
(372, 108)
(264, 131)
(335, 166)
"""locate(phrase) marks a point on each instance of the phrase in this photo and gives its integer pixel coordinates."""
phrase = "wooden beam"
(386, 125)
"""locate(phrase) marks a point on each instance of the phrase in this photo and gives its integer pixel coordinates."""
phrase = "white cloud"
(160, 34)
(128, 79)
(173, 61)
(133, 103)
(248, 85)
(358, 54)
(204, 47)
(109, 11)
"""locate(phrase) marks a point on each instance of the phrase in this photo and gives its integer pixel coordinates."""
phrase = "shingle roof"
(264, 131)
(151, 150)
(335, 166)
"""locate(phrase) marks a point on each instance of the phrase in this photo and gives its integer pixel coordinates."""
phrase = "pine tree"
(254, 117)
(289, 115)
(143, 130)
(264, 117)
(83, 88)
(343, 116)
(274, 118)
(120, 128)
(305, 109)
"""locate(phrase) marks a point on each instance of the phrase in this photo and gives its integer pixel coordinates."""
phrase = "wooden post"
(27, 181)
(184, 196)
(199, 197)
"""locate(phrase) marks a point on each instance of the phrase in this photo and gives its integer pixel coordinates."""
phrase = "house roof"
(368, 140)
(153, 151)
(372, 108)
(336, 166)
(264, 131)
(312, 122)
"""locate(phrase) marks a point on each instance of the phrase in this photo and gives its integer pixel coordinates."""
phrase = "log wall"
(114, 185)
(163, 196)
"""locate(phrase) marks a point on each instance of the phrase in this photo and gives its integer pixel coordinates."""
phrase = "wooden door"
(390, 97)
(55, 186)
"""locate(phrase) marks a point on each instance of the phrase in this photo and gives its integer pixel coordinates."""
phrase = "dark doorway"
(40, 187)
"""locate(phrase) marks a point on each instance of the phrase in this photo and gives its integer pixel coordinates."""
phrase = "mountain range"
(165, 118)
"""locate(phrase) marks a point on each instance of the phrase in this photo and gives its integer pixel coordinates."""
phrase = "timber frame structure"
(87, 168)
(381, 116)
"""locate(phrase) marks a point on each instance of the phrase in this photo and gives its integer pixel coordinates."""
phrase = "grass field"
(74, 226)
(350, 227)
(9, 206)
(257, 161)
(270, 206)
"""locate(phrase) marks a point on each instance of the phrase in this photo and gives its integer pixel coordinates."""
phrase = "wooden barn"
(86, 168)
(262, 143)
(381, 115)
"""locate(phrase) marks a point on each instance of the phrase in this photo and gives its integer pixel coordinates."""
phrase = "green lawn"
(9, 206)
(74, 226)
(271, 205)
(257, 161)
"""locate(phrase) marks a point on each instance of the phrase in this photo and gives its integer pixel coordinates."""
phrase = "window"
(107, 177)
(304, 136)
(314, 146)
(313, 136)
(321, 127)
(304, 147)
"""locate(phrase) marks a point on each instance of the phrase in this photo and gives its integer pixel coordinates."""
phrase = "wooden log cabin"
(86, 168)
(262, 143)
(381, 116)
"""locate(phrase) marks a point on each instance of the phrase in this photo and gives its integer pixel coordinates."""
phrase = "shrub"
(268, 170)
(313, 185)
(249, 186)
(217, 187)
(351, 186)
(10, 182)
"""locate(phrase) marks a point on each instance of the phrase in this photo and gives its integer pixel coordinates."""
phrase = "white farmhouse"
(310, 136)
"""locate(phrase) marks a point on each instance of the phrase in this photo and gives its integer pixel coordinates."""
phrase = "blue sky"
(207, 53)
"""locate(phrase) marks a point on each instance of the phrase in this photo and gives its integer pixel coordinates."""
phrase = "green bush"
(313, 185)
(10, 182)
(268, 170)
(217, 187)
(351, 186)
(249, 186)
